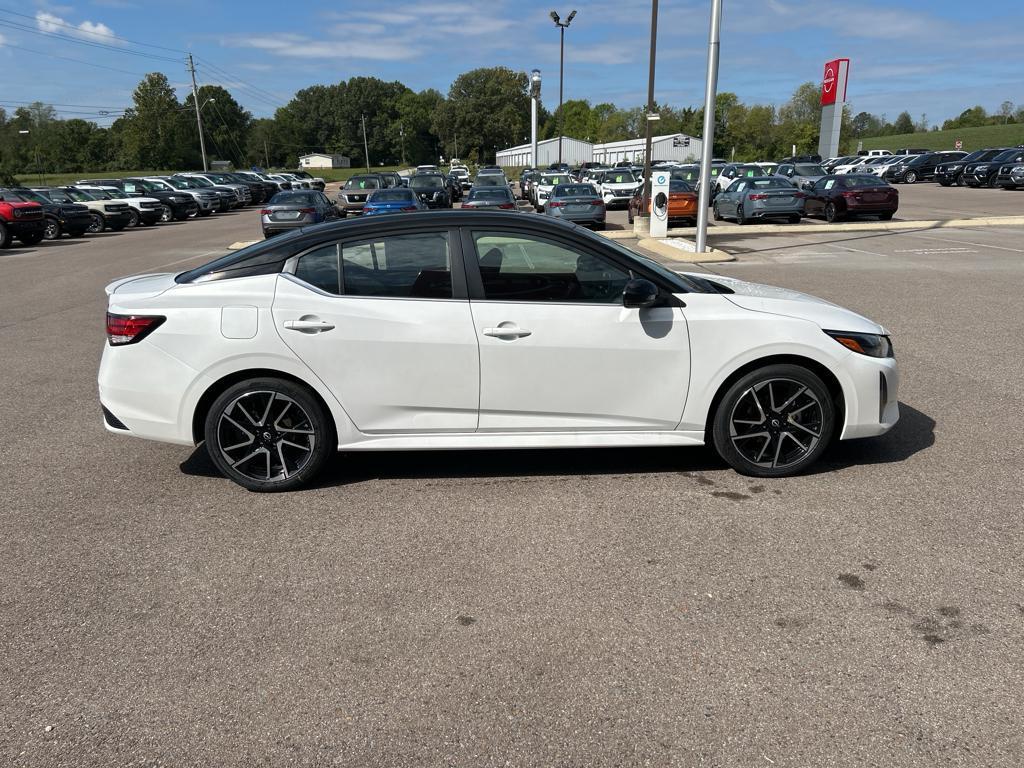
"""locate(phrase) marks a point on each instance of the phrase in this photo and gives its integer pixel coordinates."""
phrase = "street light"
(708, 139)
(39, 165)
(651, 114)
(534, 97)
(562, 25)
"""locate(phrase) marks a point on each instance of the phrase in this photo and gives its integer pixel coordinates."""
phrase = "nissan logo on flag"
(833, 83)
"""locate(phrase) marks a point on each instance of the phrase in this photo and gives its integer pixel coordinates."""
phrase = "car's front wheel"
(52, 230)
(96, 223)
(133, 219)
(911, 177)
(166, 214)
(774, 421)
(269, 434)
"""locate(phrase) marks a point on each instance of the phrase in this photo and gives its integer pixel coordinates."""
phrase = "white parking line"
(967, 242)
(934, 251)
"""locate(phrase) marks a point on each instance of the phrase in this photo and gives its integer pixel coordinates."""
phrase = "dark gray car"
(296, 208)
(490, 198)
(578, 203)
(767, 197)
(801, 175)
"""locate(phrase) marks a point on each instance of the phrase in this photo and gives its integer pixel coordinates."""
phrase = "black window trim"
(459, 286)
(476, 284)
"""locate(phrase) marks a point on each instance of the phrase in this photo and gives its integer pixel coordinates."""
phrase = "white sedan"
(462, 329)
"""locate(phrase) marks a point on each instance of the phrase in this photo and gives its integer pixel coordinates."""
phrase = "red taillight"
(367, 209)
(266, 212)
(511, 206)
(799, 195)
(556, 205)
(308, 210)
(757, 197)
(128, 329)
(598, 202)
(850, 193)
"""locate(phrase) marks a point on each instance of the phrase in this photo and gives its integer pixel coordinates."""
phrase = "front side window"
(519, 267)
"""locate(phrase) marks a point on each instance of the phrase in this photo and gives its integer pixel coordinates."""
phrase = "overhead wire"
(79, 41)
(62, 23)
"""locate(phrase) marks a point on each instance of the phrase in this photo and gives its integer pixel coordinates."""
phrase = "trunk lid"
(141, 286)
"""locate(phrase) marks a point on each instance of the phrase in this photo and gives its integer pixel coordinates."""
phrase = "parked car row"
(91, 206)
(991, 167)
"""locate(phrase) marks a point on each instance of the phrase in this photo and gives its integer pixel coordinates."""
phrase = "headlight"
(864, 343)
(954, 168)
(1018, 169)
(981, 168)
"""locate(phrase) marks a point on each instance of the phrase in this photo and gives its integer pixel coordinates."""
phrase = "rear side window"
(321, 268)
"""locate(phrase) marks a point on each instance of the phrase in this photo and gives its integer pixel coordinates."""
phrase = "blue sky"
(927, 56)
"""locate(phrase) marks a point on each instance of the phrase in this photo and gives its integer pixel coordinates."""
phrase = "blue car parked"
(394, 200)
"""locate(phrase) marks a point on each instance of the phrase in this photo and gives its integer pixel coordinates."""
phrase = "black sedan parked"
(848, 195)
(917, 168)
(432, 189)
(69, 219)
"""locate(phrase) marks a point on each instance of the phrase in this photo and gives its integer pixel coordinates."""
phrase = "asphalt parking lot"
(561, 608)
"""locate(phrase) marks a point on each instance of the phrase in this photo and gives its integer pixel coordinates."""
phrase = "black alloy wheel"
(831, 213)
(774, 422)
(133, 218)
(269, 434)
(52, 230)
(96, 223)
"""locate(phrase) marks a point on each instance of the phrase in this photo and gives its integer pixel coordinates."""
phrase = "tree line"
(485, 110)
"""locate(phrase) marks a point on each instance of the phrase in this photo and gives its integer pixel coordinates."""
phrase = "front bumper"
(25, 228)
(179, 210)
(78, 222)
(148, 215)
(873, 409)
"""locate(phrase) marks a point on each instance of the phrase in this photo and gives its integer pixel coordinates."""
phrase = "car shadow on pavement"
(914, 433)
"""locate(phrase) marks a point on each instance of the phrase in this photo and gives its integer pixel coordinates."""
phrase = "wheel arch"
(228, 380)
(835, 389)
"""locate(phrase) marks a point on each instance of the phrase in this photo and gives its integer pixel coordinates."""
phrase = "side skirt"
(509, 440)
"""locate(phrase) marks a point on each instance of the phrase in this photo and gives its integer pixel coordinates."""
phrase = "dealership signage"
(833, 99)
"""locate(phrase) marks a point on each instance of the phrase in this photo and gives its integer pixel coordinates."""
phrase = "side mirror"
(639, 293)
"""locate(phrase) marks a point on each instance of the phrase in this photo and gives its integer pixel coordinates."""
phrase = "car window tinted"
(810, 170)
(391, 196)
(519, 267)
(863, 181)
(362, 183)
(293, 198)
(497, 193)
(768, 184)
(619, 177)
(426, 182)
(574, 190)
(321, 269)
(403, 266)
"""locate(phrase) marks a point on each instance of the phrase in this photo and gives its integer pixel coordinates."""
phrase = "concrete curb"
(858, 226)
(684, 251)
(242, 244)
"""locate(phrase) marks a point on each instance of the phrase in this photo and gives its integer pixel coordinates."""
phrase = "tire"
(34, 239)
(761, 431)
(911, 177)
(944, 183)
(629, 214)
(741, 217)
(715, 213)
(885, 216)
(831, 214)
(248, 443)
(96, 224)
(133, 218)
(53, 230)
(5, 236)
(166, 214)
(960, 181)
(794, 219)
(992, 181)
(204, 214)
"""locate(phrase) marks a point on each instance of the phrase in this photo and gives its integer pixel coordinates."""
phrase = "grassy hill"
(973, 138)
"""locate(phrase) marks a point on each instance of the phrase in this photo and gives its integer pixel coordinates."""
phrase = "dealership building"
(674, 146)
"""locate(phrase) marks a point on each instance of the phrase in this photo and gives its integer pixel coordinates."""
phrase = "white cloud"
(94, 31)
(3, 40)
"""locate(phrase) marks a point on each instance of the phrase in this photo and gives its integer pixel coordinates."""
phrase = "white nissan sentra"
(461, 329)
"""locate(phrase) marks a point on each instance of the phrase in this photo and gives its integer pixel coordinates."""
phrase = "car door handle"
(507, 332)
(308, 325)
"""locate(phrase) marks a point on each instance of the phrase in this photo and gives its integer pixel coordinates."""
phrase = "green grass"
(973, 138)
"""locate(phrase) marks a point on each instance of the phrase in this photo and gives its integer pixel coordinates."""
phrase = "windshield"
(79, 196)
(29, 197)
(426, 182)
(619, 177)
(391, 196)
(552, 179)
(810, 170)
(574, 190)
(769, 183)
(363, 182)
(496, 193)
(678, 185)
(1010, 154)
(199, 182)
(863, 181)
(292, 198)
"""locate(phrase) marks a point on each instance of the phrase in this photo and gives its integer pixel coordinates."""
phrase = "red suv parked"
(20, 220)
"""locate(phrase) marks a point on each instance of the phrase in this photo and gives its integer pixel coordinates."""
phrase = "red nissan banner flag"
(830, 83)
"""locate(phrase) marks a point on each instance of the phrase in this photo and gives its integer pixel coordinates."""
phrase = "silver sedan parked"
(767, 197)
(296, 208)
(490, 198)
(578, 203)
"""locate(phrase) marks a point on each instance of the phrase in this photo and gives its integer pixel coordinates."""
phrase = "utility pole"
(650, 95)
(708, 140)
(534, 96)
(199, 118)
(266, 154)
(561, 72)
(401, 133)
(366, 148)
(456, 145)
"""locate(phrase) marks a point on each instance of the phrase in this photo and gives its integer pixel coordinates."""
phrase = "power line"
(239, 88)
(67, 38)
(79, 29)
(223, 72)
(76, 61)
(8, 102)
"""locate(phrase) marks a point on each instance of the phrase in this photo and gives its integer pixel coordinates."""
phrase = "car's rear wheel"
(774, 421)
(96, 223)
(831, 213)
(268, 434)
(961, 181)
(52, 230)
(992, 181)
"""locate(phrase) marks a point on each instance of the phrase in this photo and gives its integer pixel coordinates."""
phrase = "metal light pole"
(366, 148)
(707, 148)
(650, 91)
(199, 119)
(534, 98)
(562, 26)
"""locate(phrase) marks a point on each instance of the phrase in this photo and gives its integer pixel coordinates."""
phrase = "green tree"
(155, 134)
(225, 125)
(488, 108)
(904, 123)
